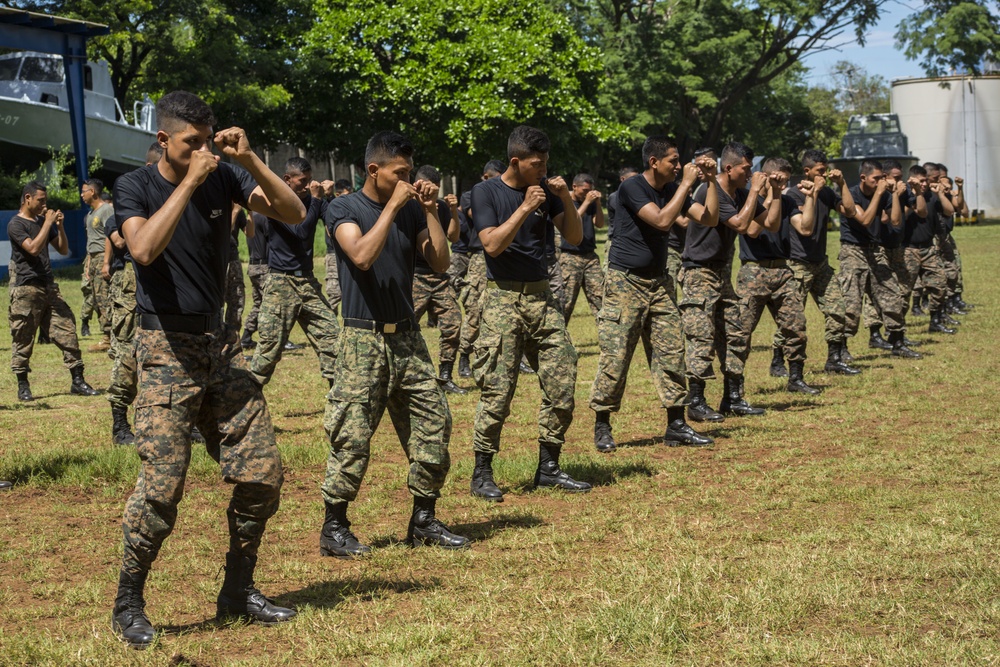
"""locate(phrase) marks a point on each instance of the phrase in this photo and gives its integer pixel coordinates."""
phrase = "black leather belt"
(769, 263)
(380, 327)
(296, 274)
(645, 274)
(195, 324)
(533, 287)
(253, 263)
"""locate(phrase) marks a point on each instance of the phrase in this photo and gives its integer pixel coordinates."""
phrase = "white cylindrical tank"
(955, 120)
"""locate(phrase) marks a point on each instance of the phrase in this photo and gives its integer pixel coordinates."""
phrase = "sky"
(878, 56)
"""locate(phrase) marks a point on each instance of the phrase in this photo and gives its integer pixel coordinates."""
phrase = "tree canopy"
(950, 36)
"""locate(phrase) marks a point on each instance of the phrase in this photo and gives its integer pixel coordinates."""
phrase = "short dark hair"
(734, 153)
(583, 179)
(868, 166)
(182, 107)
(931, 165)
(31, 188)
(889, 165)
(494, 166)
(941, 167)
(342, 184)
(776, 164)
(917, 170)
(386, 146)
(704, 151)
(625, 171)
(525, 141)
(428, 173)
(656, 146)
(96, 184)
(813, 157)
(154, 153)
(106, 196)
(297, 165)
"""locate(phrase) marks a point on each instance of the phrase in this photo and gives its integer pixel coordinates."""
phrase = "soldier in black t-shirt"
(639, 300)
(710, 309)
(176, 217)
(624, 174)
(809, 263)
(257, 231)
(581, 268)
(513, 214)
(34, 292)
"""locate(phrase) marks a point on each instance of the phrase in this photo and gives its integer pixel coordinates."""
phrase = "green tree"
(858, 91)
(951, 35)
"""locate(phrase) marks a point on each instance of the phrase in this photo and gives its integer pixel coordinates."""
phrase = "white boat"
(34, 114)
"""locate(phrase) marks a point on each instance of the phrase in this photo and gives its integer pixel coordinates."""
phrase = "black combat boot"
(954, 307)
(602, 433)
(4, 484)
(733, 402)
(796, 384)
(196, 436)
(698, 409)
(121, 432)
(427, 529)
(80, 386)
(916, 310)
(835, 362)
(240, 599)
(464, 369)
(447, 383)
(957, 298)
(899, 349)
(679, 433)
(778, 364)
(247, 342)
(549, 473)
(525, 367)
(85, 329)
(23, 388)
(291, 347)
(845, 354)
(482, 484)
(128, 618)
(947, 319)
(937, 326)
(336, 538)
(876, 342)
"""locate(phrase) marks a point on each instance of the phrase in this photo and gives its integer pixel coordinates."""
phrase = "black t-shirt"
(444, 215)
(240, 224)
(325, 203)
(118, 257)
(493, 203)
(461, 246)
(612, 206)
(638, 245)
(189, 276)
(290, 247)
(30, 269)
(919, 232)
(257, 244)
(472, 236)
(589, 242)
(384, 292)
(677, 236)
(812, 248)
(946, 223)
(771, 245)
(705, 245)
(852, 231)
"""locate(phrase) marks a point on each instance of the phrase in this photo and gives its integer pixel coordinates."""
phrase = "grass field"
(856, 527)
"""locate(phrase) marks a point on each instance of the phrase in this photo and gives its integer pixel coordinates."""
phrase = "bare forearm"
(496, 239)
(33, 246)
(366, 249)
(147, 241)
(571, 228)
(61, 243)
(287, 207)
(920, 208)
(741, 221)
(807, 222)
(599, 218)
(436, 250)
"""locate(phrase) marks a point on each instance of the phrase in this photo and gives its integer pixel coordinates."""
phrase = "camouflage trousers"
(638, 308)
(235, 294)
(287, 300)
(582, 272)
(332, 282)
(457, 269)
(374, 372)
(773, 286)
(29, 306)
(95, 291)
(122, 390)
(556, 282)
(926, 263)
(532, 325)
(951, 262)
(858, 266)
(256, 273)
(673, 269)
(712, 322)
(472, 301)
(819, 280)
(432, 294)
(198, 380)
(872, 316)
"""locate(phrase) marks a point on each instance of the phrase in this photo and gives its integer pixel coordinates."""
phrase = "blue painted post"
(74, 55)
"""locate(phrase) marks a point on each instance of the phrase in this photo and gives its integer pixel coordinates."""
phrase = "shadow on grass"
(484, 530)
(329, 594)
(47, 467)
(598, 474)
(797, 404)
(303, 413)
(290, 431)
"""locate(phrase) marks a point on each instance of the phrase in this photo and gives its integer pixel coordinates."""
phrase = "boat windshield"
(8, 68)
(45, 70)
